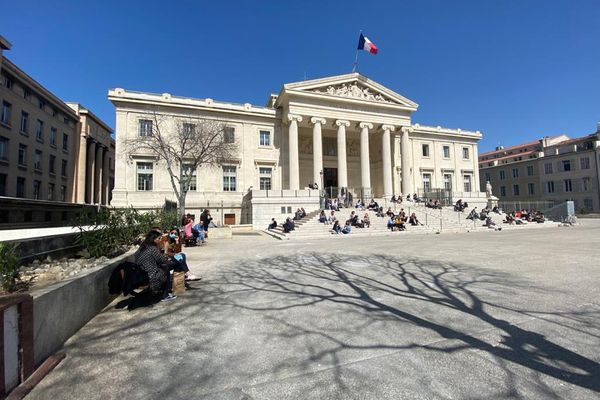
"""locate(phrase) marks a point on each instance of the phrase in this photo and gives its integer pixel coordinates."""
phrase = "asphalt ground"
(480, 315)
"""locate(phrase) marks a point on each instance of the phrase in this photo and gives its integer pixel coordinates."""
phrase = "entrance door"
(330, 181)
(229, 219)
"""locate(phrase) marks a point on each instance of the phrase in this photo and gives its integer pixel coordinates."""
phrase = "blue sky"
(515, 70)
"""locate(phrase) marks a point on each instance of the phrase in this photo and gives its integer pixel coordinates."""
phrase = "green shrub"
(104, 233)
(9, 266)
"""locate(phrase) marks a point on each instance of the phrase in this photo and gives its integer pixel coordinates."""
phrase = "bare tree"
(182, 146)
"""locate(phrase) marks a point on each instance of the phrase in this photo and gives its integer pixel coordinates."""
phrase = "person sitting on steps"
(413, 220)
(288, 226)
(273, 224)
(347, 228)
(336, 229)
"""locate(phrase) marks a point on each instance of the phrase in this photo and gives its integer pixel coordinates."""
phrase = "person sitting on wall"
(315, 186)
(415, 198)
(150, 260)
(198, 232)
(413, 220)
(322, 217)
(347, 228)
(310, 186)
(189, 238)
(177, 260)
(273, 224)
(408, 197)
(288, 226)
(336, 229)
(459, 205)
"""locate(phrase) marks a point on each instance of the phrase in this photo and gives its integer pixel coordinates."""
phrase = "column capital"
(390, 128)
(367, 125)
(406, 129)
(343, 122)
(318, 120)
(294, 117)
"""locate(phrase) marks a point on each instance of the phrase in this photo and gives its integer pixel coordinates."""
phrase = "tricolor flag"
(365, 44)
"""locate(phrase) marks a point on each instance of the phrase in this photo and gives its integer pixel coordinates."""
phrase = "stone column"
(365, 163)
(81, 169)
(90, 169)
(386, 155)
(317, 150)
(341, 153)
(475, 187)
(406, 154)
(98, 174)
(105, 173)
(294, 165)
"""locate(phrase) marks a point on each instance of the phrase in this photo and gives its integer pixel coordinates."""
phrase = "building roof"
(575, 140)
(82, 110)
(4, 44)
(505, 149)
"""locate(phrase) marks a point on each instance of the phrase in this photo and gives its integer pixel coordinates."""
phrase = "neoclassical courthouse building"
(341, 131)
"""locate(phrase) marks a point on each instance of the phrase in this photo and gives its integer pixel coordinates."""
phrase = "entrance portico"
(358, 113)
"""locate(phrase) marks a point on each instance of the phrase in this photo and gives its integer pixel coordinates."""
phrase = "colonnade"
(366, 129)
(92, 185)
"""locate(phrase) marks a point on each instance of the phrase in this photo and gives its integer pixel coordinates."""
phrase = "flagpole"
(356, 57)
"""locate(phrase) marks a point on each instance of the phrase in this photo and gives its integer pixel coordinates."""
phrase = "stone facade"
(344, 131)
(553, 169)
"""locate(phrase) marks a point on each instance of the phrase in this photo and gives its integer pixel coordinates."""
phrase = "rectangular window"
(37, 186)
(426, 183)
(229, 178)
(22, 160)
(53, 137)
(229, 135)
(265, 178)
(465, 153)
(502, 175)
(448, 182)
(502, 191)
(585, 183)
(585, 163)
(63, 193)
(51, 192)
(265, 138)
(26, 93)
(516, 190)
(550, 186)
(515, 172)
(63, 168)
(467, 182)
(24, 122)
(425, 149)
(20, 187)
(566, 165)
(145, 172)
(530, 170)
(145, 128)
(3, 148)
(65, 142)
(2, 184)
(189, 130)
(588, 204)
(8, 82)
(446, 150)
(568, 185)
(52, 164)
(530, 189)
(37, 160)
(187, 169)
(42, 104)
(548, 168)
(39, 130)
(6, 107)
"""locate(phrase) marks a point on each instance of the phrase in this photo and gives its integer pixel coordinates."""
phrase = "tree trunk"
(181, 206)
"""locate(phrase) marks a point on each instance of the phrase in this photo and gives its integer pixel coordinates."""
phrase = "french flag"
(366, 45)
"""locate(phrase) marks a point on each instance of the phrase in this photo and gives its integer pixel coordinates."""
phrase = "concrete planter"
(61, 309)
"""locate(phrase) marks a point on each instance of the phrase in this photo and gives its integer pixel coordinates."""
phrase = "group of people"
(460, 206)
(524, 216)
(196, 231)
(398, 199)
(158, 256)
(400, 220)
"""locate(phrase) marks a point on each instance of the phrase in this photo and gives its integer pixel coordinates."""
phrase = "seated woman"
(347, 228)
(336, 227)
(177, 260)
(491, 224)
(366, 222)
(413, 220)
(389, 212)
(273, 224)
(391, 224)
(189, 238)
(149, 258)
(399, 223)
(322, 217)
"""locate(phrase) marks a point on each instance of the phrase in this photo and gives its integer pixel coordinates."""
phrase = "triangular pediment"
(351, 86)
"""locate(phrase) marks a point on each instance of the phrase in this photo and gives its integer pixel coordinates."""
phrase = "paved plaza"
(480, 315)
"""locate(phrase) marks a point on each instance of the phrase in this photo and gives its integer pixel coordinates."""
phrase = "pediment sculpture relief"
(353, 91)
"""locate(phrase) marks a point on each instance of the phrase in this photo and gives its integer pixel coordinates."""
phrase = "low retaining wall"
(61, 309)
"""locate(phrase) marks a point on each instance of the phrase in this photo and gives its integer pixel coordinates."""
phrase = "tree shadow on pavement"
(432, 296)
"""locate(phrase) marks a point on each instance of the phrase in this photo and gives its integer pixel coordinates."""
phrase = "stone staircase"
(444, 220)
